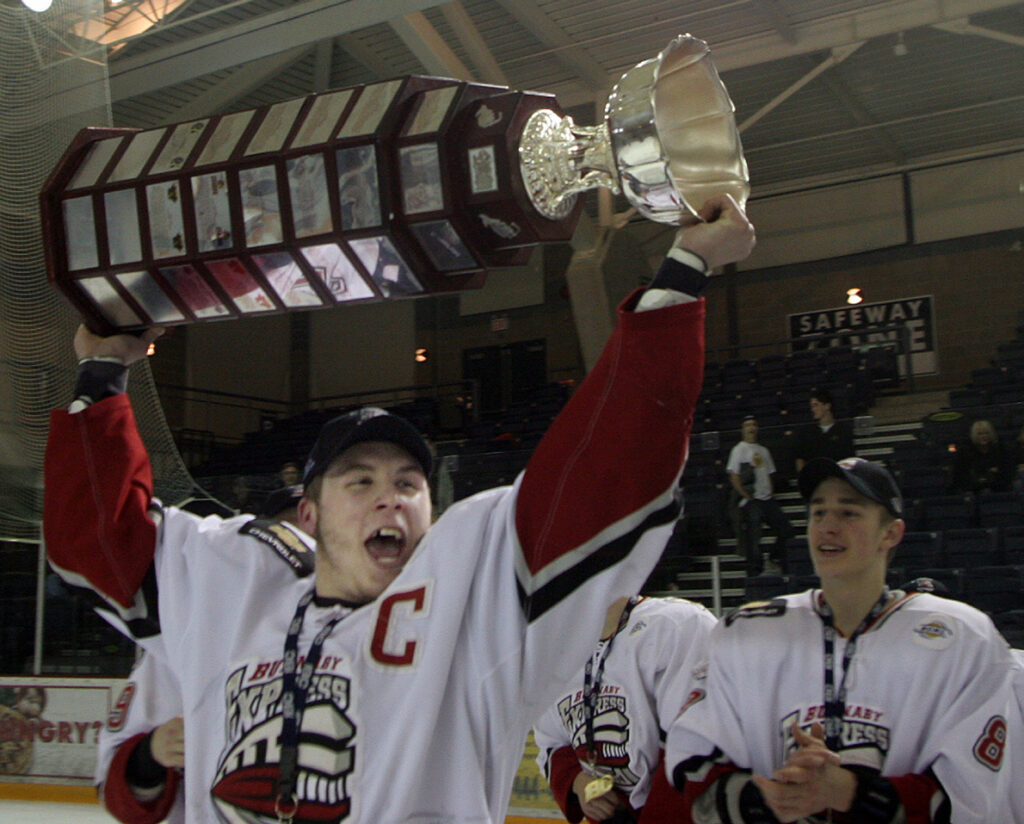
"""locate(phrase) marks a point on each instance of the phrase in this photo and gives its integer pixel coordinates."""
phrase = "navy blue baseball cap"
(367, 424)
(870, 479)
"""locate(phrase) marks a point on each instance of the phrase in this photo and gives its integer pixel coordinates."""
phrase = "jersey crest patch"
(246, 781)
(934, 631)
(611, 733)
(288, 546)
(757, 609)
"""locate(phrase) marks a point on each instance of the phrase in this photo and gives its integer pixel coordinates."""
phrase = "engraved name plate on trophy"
(407, 187)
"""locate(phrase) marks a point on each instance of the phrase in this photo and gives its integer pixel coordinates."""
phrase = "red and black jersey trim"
(563, 585)
(146, 625)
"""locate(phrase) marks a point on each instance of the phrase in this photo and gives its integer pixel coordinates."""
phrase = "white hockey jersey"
(930, 688)
(422, 700)
(643, 687)
(150, 698)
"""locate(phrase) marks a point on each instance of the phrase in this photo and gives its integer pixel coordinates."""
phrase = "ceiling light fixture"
(38, 5)
(900, 49)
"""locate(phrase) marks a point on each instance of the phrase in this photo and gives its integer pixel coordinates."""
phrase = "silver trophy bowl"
(668, 142)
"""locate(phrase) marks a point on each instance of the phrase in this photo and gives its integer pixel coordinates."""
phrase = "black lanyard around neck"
(294, 686)
(592, 681)
(835, 700)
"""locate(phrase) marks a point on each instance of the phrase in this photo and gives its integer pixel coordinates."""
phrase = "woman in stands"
(982, 463)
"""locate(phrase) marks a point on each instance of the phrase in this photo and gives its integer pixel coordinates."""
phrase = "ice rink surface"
(48, 812)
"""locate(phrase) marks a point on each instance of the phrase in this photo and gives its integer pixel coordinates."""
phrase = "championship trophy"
(412, 186)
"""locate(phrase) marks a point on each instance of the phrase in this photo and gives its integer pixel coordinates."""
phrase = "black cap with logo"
(870, 479)
(367, 424)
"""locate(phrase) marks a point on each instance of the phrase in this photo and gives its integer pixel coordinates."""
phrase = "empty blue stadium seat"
(798, 558)
(917, 551)
(994, 588)
(968, 548)
(946, 512)
(1000, 509)
(1012, 540)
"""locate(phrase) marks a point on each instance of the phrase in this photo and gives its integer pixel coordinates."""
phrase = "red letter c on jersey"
(380, 633)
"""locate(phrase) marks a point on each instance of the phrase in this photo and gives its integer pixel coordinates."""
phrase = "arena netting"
(52, 84)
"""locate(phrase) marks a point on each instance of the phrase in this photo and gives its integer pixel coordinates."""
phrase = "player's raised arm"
(605, 474)
(95, 517)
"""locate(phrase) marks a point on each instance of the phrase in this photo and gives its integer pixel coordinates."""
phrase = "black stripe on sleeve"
(564, 584)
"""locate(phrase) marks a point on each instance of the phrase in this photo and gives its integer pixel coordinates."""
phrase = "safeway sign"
(872, 324)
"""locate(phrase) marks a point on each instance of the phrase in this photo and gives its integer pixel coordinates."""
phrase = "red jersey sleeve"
(98, 487)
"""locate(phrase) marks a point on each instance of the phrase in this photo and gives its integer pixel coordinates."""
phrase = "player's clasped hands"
(597, 809)
(810, 781)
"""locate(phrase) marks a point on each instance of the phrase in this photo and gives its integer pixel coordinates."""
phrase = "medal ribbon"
(835, 700)
(592, 681)
(293, 702)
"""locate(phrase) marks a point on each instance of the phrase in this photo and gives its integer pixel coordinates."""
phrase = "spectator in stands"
(289, 474)
(982, 463)
(752, 502)
(241, 497)
(826, 437)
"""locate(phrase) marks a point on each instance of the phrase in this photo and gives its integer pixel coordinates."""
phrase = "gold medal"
(597, 787)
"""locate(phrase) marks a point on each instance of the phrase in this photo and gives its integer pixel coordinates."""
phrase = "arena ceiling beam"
(300, 24)
(773, 12)
(465, 29)
(564, 48)
(837, 56)
(963, 26)
(422, 39)
(877, 20)
(359, 51)
(237, 85)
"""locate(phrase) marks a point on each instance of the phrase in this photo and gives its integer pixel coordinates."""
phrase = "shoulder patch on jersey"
(288, 546)
(934, 631)
(639, 625)
(757, 609)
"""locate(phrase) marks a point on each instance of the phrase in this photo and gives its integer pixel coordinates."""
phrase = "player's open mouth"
(386, 544)
(830, 549)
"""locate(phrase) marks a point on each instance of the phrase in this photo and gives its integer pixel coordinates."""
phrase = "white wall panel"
(507, 288)
(969, 198)
(827, 223)
(363, 348)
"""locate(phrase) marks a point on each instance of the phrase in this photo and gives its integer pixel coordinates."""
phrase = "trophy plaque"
(407, 187)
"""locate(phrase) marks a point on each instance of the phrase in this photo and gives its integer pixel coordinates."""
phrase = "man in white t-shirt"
(752, 503)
